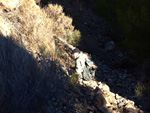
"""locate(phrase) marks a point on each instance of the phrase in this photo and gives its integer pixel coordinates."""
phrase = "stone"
(130, 102)
(129, 110)
(130, 106)
(102, 109)
(108, 105)
(99, 99)
(109, 46)
(117, 96)
(105, 87)
(121, 104)
(112, 94)
(110, 99)
(110, 109)
(93, 84)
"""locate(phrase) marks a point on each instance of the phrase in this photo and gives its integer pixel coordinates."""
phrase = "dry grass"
(75, 38)
(142, 90)
(24, 85)
(37, 28)
(62, 24)
(11, 3)
(33, 27)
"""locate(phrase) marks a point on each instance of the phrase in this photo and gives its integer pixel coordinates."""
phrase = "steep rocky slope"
(44, 82)
(115, 67)
(26, 23)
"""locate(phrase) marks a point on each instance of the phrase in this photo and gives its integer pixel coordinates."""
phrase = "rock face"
(106, 101)
(99, 98)
(103, 99)
(11, 3)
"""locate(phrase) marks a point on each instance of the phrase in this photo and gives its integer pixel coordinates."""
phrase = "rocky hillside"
(35, 62)
(27, 23)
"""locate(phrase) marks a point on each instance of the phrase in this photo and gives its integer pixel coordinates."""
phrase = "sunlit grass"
(75, 38)
(59, 52)
(42, 48)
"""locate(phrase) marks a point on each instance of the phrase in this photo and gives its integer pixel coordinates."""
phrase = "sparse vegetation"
(130, 21)
(24, 85)
(37, 26)
(74, 83)
(59, 52)
(75, 38)
(42, 48)
(74, 79)
(142, 90)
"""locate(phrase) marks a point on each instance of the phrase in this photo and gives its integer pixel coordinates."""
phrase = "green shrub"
(59, 52)
(130, 22)
(142, 90)
(75, 38)
(74, 79)
(42, 48)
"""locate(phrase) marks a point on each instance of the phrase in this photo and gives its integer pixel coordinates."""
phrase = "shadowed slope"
(25, 85)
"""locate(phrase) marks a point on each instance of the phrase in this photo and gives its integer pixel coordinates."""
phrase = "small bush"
(62, 23)
(42, 49)
(59, 52)
(74, 79)
(142, 90)
(75, 38)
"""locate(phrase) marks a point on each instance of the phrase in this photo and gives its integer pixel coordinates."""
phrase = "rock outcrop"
(109, 102)
(103, 99)
(34, 28)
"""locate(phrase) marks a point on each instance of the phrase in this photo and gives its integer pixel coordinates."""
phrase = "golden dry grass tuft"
(37, 28)
(29, 37)
(62, 24)
(75, 38)
(34, 27)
